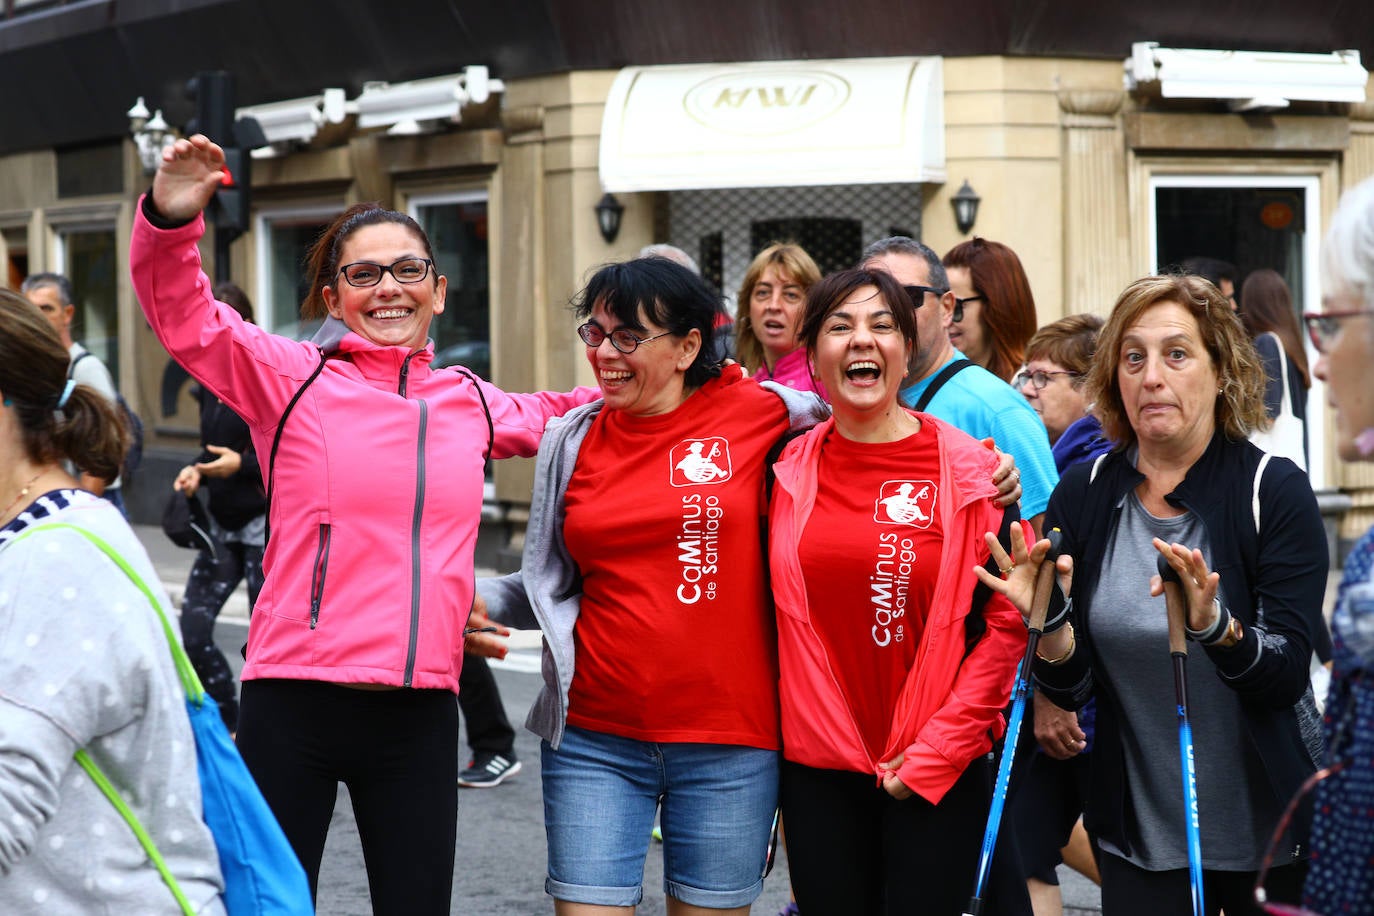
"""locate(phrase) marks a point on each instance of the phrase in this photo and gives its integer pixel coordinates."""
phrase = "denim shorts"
(600, 795)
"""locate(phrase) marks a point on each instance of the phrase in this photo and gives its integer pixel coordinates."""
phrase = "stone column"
(1096, 210)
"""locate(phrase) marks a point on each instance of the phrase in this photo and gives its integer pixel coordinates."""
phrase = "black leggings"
(1128, 890)
(854, 850)
(208, 587)
(396, 750)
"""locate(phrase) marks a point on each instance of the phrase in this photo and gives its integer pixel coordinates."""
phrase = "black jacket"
(1283, 568)
(237, 500)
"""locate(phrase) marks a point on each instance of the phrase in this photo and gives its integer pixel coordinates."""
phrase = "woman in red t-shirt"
(643, 568)
(894, 666)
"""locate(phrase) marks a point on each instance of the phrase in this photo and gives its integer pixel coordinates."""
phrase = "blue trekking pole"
(1178, 649)
(1044, 580)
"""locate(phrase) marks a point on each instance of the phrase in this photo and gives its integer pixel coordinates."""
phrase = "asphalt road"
(500, 862)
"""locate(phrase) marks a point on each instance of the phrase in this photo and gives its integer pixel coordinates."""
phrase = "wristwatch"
(1233, 634)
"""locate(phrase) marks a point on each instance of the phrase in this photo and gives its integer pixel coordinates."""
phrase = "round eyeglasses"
(1039, 378)
(623, 339)
(366, 273)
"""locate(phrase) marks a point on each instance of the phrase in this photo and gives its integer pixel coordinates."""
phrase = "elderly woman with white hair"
(1340, 879)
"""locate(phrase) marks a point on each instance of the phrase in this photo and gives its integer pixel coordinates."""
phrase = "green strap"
(189, 681)
(98, 777)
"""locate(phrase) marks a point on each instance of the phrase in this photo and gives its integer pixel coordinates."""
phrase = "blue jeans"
(600, 795)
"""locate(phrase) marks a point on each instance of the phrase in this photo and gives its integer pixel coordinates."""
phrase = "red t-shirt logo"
(905, 502)
(700, 461)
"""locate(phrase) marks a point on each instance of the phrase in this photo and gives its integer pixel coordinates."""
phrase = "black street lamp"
(608, 212)
(965, 203)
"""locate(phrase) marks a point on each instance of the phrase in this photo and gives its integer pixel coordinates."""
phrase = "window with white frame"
(456, 224)
(284, 238)
(88, 256)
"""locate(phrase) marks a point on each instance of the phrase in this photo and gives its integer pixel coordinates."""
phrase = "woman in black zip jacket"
(1177, 384)
(238, 511)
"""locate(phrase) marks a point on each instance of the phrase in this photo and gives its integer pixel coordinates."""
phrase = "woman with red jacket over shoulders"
(894, 667)
(356, 640)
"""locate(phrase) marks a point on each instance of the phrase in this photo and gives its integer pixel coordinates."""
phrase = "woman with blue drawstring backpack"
(84, 664)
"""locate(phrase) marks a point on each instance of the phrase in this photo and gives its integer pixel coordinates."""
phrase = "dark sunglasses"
(959, 307)
(918, 293)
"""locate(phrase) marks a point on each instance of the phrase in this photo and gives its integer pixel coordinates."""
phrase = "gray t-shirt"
(1130, 634)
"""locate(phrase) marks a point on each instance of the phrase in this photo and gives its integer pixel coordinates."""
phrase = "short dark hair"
(58, 282)
(232, 295)
(665, 292)
(833, 289)
(901, 244)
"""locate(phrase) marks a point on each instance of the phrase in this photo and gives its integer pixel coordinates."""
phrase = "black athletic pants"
(1128, 890)
(854, 850)
(396, 750)
(211, 582)
(489, 731)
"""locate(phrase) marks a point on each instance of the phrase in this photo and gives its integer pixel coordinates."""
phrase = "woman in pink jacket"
(894, 668)
(768, 313)
(373, 462)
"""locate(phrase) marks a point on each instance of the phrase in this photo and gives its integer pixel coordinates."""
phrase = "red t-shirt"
(675, 640)
(870, 556)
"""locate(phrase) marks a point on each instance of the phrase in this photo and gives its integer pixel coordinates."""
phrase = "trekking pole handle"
(1174, 605)
(1044, 581)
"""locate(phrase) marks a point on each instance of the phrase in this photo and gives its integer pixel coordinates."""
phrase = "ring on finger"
(1007, 570)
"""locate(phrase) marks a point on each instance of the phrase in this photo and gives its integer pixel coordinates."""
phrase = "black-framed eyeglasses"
(959, 306)
(918, 293)
(1324, 327)
(623, 339)
(366, 273)
(1286, 819)
(1040, 378)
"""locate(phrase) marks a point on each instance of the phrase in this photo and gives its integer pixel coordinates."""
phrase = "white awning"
(1250, 80)
(774, 124)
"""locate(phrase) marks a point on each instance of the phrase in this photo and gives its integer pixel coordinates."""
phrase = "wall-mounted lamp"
(608, 212)
(965, 203)
(151, 135)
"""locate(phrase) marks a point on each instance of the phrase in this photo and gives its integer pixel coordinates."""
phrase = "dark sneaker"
(487, 771)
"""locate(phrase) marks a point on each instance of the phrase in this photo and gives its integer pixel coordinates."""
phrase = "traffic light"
(213, 92)
(233, 199)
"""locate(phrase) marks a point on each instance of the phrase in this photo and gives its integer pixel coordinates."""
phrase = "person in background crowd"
(1266, 310)
(375, 496)
(84, 662)
(994, 311)
(722, 344)
(1219, 273)
(1341, 880)
(1046, 809)
(941, 382)
(228, 469)
(768, 313)
(53, 295)
(894, 666)
(1177, 385)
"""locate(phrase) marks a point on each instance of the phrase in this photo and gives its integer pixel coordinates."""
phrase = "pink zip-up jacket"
(378, 485)
(950, 708)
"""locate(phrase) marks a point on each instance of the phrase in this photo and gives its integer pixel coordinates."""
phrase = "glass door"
(1236, 224)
